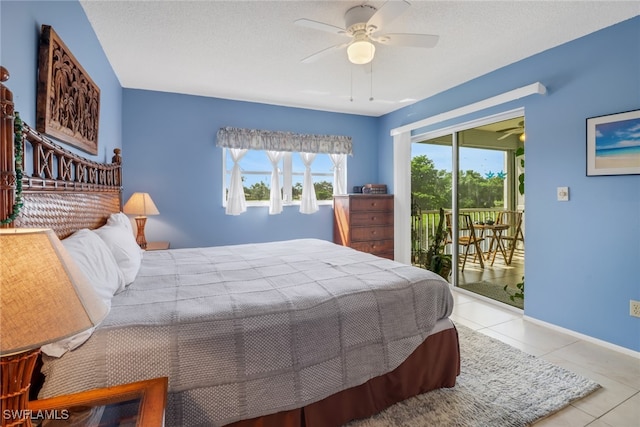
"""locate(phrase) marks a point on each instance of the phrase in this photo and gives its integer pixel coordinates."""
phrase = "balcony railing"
(423, 227)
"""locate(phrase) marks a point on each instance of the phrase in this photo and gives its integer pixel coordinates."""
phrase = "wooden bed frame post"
(7, 159)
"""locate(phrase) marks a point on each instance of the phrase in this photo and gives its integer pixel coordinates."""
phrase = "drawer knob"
(373, 218)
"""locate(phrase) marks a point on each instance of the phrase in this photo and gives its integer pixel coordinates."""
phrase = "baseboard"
(607, 345)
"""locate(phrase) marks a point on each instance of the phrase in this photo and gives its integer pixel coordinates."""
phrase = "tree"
(431, 188)
(296, 191)
(261, 191)
(476, 191)
(324, 190)
(258, 191)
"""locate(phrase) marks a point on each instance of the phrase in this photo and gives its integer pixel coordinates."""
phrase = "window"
(256, 177)
(281, 150)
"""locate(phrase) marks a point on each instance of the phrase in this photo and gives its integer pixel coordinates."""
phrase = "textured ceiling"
(251, 50)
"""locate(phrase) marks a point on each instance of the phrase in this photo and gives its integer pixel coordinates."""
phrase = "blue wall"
(582, 256)
(19, 36)
(169, 151)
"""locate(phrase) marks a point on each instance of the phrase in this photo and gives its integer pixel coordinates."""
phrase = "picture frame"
(68, 101)
(140, 403)
(613, 144)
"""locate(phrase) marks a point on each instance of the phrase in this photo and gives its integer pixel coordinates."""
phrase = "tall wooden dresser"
(364, 222)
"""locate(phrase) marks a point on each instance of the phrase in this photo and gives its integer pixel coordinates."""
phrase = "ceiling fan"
(517, 130)
(363, 24)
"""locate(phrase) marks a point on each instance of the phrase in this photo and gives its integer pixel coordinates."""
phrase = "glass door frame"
(453, 130)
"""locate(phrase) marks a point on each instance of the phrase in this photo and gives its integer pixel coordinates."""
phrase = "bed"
(292, 333)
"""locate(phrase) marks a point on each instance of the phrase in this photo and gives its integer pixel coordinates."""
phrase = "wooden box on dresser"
(364, 222)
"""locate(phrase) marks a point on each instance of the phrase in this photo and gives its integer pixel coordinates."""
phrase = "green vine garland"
(18, 150)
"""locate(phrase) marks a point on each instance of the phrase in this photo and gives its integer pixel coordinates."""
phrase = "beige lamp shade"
(140, 204)
(44, 297)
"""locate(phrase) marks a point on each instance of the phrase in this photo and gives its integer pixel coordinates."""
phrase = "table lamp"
(44, 298)
(140, 204)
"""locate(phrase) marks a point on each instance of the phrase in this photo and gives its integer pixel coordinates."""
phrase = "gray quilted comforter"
(247, 330)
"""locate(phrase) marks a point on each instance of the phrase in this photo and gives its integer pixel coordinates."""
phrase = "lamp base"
(16, 379)
(140, 223)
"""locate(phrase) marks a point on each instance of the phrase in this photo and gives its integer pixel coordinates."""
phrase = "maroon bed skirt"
(434, 364)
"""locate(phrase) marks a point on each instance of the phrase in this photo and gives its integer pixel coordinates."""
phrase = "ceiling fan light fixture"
(361, 52)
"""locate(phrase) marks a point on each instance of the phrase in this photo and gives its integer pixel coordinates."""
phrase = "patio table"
(496, 236)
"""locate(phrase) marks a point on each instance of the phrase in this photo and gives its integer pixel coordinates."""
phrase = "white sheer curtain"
(308, 201)
(339, 176)
(275, 196)
(236, 203)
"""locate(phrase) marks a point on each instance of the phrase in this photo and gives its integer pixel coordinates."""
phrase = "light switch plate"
(563, 194)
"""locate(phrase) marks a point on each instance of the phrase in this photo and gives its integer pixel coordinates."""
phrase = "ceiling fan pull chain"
(351, 95)
(371, 87)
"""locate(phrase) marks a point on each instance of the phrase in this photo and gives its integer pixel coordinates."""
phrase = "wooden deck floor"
(500, 273)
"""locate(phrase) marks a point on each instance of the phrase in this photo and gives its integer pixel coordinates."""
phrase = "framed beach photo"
(613, 144)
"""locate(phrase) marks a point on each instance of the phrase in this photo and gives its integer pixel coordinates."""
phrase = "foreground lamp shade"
(141, 205)
(44, 298)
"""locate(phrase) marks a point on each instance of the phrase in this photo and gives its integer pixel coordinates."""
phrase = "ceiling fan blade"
(387, 13)
(320, 26)
(323, 52)
(506, 135)
(409, 40)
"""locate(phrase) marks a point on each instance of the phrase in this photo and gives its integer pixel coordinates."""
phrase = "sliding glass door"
(470, 176)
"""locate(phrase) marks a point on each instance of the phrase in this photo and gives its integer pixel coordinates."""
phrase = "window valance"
(254, 139)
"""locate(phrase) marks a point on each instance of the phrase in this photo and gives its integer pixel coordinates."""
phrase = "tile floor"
(616, 404)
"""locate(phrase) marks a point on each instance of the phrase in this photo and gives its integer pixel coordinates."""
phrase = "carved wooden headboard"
(59, 189)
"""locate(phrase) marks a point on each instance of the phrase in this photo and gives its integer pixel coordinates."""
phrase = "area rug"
(495, 292)
(499, 385)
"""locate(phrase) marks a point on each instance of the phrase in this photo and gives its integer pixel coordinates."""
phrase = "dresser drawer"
(371, 218)
(371, 233)
(375, 247)
(368, 204)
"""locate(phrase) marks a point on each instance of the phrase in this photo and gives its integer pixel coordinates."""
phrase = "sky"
(257, 161)
(482, 161)
(620, 134)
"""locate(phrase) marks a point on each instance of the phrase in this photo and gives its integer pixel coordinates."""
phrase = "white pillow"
(122, 219)
(58, 348)
(95, 260)
(124, 248)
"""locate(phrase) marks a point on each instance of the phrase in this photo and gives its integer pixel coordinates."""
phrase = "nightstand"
(157, 246)
(136, 404)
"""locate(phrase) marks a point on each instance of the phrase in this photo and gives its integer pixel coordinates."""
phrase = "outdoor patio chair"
(467, 238)
(514, 233)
